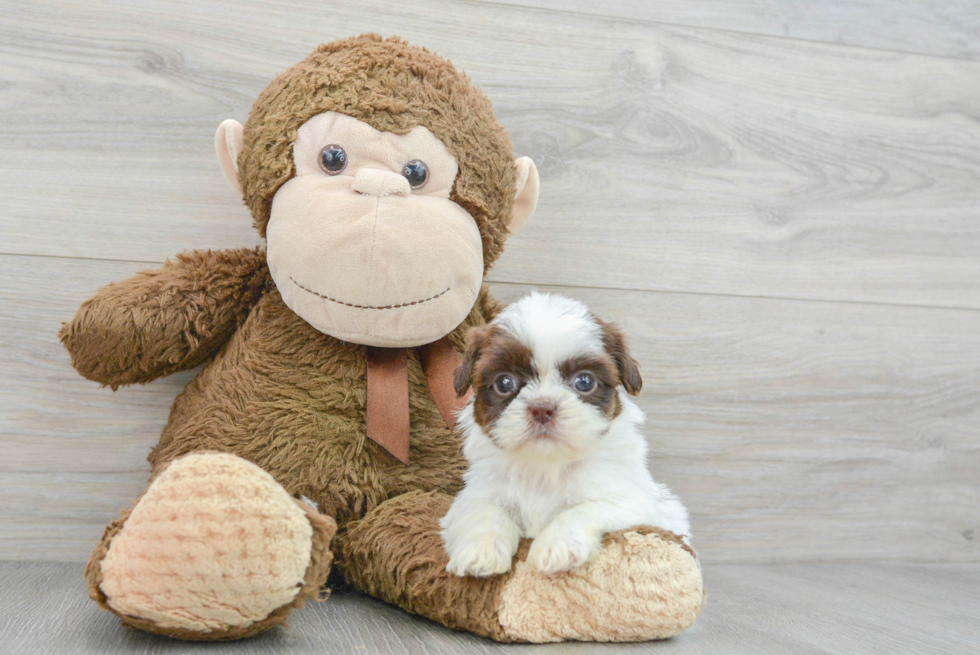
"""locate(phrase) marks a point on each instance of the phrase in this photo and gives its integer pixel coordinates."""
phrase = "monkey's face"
(364, 242)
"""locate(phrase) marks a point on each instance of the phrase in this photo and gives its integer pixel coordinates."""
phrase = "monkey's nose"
(542, 411)
(377, 182)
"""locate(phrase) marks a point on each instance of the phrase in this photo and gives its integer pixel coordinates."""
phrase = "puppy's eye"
(333, 159)
(505, 384)
(416, 172)
(584, 382)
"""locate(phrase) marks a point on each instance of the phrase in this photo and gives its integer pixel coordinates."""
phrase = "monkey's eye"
(584, 382)
(333, 159)
(505, 384)
(416, 172)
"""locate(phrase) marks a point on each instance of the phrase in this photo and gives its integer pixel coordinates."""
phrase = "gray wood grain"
(949, 28)
(794, 430)
(711, 161)
(795, 609)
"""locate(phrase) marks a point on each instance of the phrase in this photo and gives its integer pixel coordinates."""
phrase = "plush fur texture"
(292, 400)
(392, 86)
(547, 460)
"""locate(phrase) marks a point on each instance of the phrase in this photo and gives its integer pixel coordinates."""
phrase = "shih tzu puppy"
(553, 442)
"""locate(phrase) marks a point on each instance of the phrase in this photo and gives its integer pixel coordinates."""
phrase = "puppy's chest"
(534, 501)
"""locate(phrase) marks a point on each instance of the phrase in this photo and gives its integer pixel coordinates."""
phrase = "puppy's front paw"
(560, 548)
(482, 555)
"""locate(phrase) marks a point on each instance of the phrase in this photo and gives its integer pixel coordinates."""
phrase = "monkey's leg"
(644, 583)
(214, 549)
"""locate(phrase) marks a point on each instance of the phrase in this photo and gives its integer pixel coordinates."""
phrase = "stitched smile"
(350, 304)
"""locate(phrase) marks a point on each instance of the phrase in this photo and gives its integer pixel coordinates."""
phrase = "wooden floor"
(780, 201)
(753, 609)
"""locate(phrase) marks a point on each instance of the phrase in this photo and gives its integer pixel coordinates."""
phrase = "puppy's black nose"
(542, 411)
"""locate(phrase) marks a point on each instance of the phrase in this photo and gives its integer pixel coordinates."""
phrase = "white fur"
(589, 478)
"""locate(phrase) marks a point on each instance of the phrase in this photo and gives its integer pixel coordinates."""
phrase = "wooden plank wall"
(781, 204)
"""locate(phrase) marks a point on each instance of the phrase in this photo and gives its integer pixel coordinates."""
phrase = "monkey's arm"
(166, 320)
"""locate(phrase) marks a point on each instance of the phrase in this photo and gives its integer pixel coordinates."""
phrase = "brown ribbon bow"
(387, 392)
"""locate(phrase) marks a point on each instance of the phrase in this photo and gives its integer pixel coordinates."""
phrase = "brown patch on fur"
(614, 341)
(605, 372)
(393, 87)
(500, 353)
(463, 375)
(616, 407)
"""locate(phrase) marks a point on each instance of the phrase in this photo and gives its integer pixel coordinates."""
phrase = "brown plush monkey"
(318, 433)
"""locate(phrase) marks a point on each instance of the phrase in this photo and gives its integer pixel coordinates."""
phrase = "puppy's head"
(545, 374)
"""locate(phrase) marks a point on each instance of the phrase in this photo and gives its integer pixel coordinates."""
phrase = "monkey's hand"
(166, 320)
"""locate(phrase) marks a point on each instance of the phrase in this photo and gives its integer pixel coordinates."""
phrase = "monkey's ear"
(228, 142)
(463, 376)
(527, 193)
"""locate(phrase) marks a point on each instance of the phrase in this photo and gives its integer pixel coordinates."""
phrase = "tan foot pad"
(215, 544)
(644, 584)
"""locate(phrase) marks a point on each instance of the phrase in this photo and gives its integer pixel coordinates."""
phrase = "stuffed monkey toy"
(317, 439)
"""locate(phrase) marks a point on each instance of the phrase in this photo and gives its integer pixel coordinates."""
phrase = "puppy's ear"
(615, 344)
(463, 377)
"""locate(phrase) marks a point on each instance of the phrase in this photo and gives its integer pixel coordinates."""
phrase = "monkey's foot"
(644, 584)
(215, 549)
